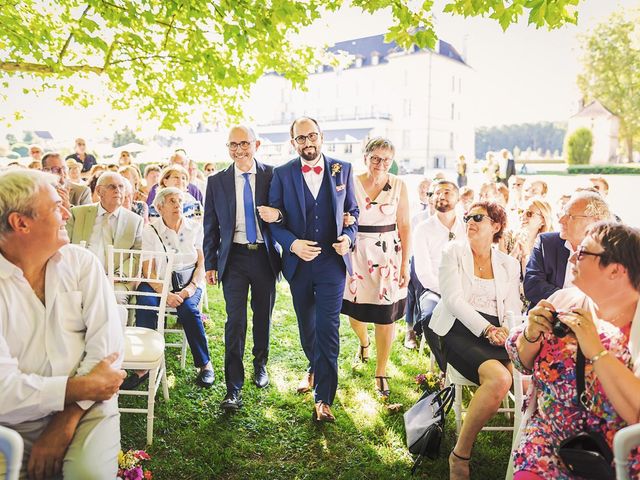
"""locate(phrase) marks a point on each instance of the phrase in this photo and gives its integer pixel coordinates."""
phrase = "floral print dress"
(557, 414)
(372, 293)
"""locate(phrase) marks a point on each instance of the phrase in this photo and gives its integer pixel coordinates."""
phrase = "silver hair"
(163, 193)
(248, 128)
(18, 193)
(106, 176)
(127, 186)
(379, 142)
(595, 205)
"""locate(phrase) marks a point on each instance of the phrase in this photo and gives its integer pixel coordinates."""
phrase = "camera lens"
(559, 329)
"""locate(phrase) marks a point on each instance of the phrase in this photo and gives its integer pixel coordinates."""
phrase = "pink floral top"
(557, 414)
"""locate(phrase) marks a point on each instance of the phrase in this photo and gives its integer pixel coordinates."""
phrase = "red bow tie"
(307, 169)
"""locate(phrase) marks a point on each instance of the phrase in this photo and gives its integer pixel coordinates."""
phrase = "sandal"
(382, 392)
(360, 354)
(458, 466)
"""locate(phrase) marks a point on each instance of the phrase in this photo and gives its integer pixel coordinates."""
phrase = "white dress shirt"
(568, 274)
(41, 346)
(429, 239)
(101, 237)
(240, 233)
(185, 243)
(311, 178)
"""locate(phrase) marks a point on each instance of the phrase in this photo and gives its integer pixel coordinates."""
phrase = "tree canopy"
(164, 58)
(536, 136)
(611, 64)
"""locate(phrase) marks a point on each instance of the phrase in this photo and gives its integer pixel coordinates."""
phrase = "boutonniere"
(335, 169)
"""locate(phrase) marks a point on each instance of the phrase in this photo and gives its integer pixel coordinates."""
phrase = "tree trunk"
(630, 148)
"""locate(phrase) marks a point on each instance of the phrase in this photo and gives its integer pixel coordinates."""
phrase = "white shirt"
(429, 239)
(185, 243)
(41, 346)
(311, 178)
(568, 275)
(99, 239)
(240, 233)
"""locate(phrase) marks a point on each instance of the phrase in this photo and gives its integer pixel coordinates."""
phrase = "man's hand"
(64, 196)
(348, 219)
(103, 381)
(342, 245)
(305, 249)
(212, 277)
(268, 214)
(174, 300)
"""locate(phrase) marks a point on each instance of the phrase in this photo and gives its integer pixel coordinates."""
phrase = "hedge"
(619, 169)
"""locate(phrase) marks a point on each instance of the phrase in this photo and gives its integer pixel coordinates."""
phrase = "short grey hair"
(108, 176)
(163, 193)
(379, 142)
(595, 205)
(18, 193)
(127, 186)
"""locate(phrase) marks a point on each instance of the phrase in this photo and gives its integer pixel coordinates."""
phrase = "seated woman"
(137, 207)
(602, 312)
(479, 284)
(174, 233)
(176, 176)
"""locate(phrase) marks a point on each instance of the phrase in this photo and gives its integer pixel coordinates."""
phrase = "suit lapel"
(500, 277)
(467, 262)
(563, 259)
(334, 201)
(229, 187)
(298, 184)
(261, 191)
(89, 222)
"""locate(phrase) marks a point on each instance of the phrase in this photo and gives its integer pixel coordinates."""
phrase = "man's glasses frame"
(55, 170)
(302, 139)
(581, 252)
(244, 145)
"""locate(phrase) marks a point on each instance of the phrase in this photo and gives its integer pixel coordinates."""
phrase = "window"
(348, 148)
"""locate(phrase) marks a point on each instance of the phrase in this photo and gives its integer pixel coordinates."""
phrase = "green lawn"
(273, 436)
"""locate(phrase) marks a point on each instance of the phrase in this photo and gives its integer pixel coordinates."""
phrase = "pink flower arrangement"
(129, 465)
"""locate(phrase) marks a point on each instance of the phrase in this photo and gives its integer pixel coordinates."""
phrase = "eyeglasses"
(582, 251)
(573, 217)
(452, 236)
(478, 217)
(302, 139)
(55, 170)
(529, 213)
(243, 144)
(376, 160)
(113, 187)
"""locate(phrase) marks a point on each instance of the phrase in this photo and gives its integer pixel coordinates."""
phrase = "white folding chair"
(625, 440)
(144, 347)
(11, 447)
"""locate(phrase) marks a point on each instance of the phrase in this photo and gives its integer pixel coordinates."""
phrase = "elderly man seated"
(61, 341)
(106, 223)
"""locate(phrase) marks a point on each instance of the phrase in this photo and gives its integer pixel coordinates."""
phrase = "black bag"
(586, 454)
(179, 278)
(424, 424)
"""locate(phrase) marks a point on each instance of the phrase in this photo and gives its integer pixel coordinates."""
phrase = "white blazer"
(456, 280)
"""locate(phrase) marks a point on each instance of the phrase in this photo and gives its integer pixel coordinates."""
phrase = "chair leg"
(151, 399)
(183, 356)
(505, 404)
(457, 408)
(165, 385)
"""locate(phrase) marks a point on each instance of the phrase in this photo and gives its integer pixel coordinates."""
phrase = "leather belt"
(249, 246)
(376, 228)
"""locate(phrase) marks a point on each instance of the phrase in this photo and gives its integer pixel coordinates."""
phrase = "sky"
(521, 75)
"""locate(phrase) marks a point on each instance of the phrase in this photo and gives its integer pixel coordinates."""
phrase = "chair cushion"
(142, 345)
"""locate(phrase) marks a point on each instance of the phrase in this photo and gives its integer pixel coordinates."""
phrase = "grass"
(273, 436)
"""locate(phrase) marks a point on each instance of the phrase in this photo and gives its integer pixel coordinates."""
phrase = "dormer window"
(375, 58)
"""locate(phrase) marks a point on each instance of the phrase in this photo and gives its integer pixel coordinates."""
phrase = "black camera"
(559, 329)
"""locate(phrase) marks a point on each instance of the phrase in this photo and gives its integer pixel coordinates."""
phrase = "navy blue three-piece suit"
(240, 268)
(317, 286)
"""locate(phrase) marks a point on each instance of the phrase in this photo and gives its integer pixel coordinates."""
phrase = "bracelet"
(488, 329)
(537, 339)
(599, 355)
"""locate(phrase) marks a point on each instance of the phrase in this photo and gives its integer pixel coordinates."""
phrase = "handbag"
(586, 454)
(424, 424)
(179, 278)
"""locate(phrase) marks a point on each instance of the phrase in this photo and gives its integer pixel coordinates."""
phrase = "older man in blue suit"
(240, 252)
(313, 192)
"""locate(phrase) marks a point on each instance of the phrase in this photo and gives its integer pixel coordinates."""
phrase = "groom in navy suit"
(313, 192)
(240, 252)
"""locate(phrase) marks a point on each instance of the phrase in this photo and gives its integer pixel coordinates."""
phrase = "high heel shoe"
(382, 392)
(458, 466)
(360, 354)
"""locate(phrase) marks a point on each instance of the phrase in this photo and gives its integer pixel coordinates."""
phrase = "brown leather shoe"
(410, 340)
(322, 412)
(306, 384)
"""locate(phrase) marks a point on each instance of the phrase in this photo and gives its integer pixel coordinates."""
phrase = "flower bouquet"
(429, 381)
(130, 465)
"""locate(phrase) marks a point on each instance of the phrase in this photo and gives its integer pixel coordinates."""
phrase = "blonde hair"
(173, 168)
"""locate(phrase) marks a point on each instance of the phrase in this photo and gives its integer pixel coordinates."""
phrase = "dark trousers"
(426, 307)
(246, 268)
(317, 289)
(188, 316)
(414, 289)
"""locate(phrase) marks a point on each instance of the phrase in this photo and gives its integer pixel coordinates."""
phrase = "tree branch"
(26, 67)
(70, 37)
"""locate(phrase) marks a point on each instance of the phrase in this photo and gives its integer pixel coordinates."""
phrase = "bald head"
(242, 146)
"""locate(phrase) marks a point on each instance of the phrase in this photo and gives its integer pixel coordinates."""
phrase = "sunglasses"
(528, 213)
(581, 252)
(452, 236)
(478, 217)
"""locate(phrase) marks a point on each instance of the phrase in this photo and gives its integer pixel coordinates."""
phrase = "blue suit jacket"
(287, 195)
(546, 268)
(220, 218)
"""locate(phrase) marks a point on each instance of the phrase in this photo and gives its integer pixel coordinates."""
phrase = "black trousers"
(246, 269)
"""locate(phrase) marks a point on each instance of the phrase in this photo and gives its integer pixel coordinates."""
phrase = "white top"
(429, 238)
(483, 295)
(102, 233)
(568, 275)
(41, 346)
(240, 234)
(185, 243)
(311, 178)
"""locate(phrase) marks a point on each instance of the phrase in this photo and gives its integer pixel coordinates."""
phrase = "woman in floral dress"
(603, 315)
(376, 292)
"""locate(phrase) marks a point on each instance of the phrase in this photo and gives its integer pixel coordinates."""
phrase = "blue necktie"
(249, 219)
